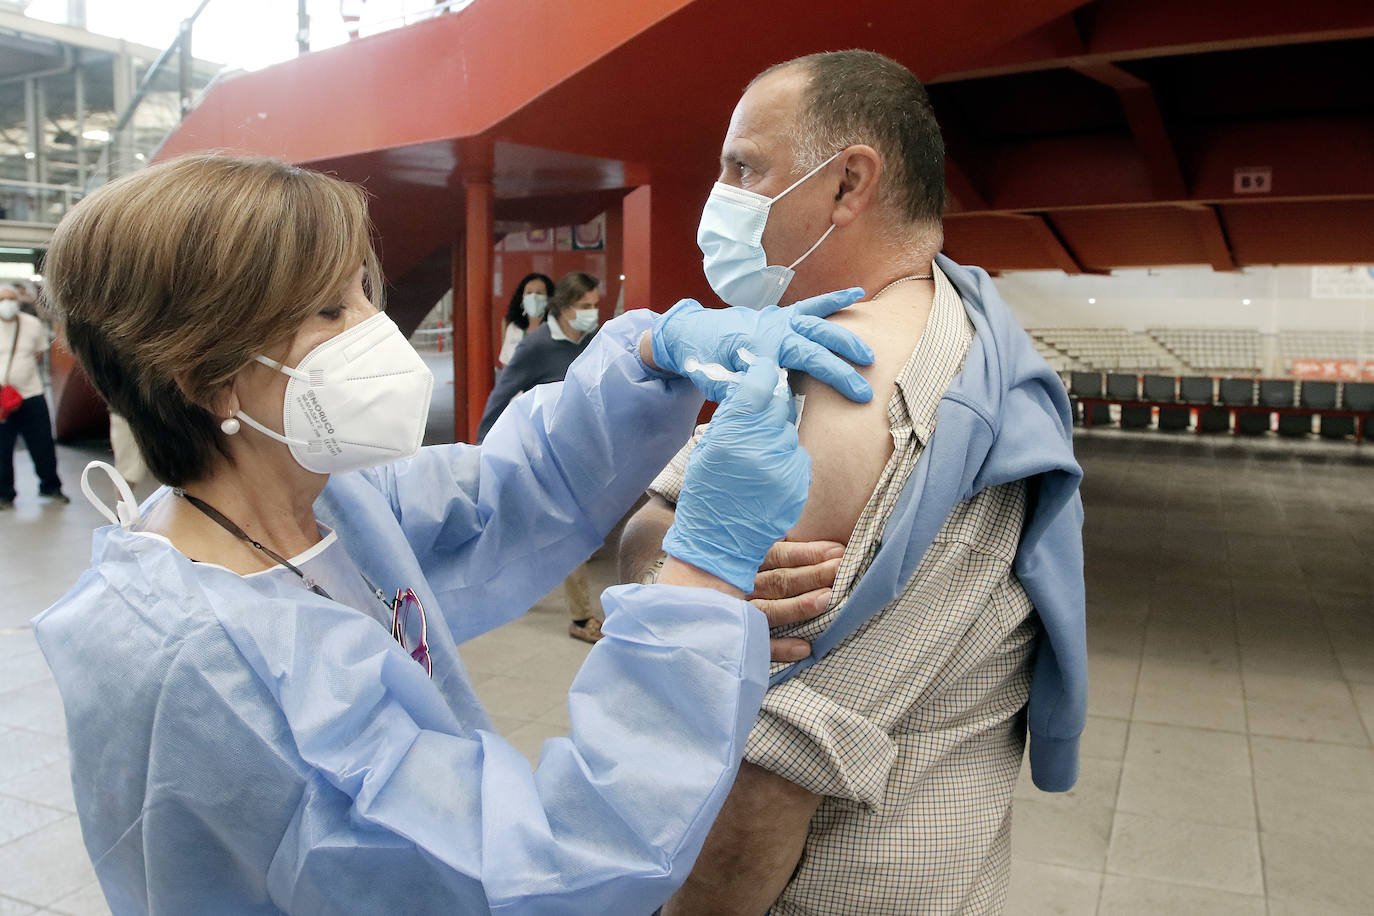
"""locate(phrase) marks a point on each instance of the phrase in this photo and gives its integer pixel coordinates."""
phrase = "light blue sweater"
(1005, 417)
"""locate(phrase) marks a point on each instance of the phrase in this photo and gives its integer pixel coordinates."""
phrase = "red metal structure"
(1083, 136)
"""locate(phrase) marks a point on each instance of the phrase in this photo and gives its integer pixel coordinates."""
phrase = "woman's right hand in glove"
(746, 482)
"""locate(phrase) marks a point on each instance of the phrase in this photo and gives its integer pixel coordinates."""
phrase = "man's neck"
(868, 262)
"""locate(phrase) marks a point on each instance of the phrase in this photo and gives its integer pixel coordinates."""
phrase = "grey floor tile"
(1363, 695)
(1158, 675)
(1333, 720)
(1356, 661)
(1184, 852)
(1291, 906)
(1074, 836)
(37, 707)
(24, 750)
(11, 907)
(1038, 889)
(1125, 896)
(19, 817)
(1277, 659)
(21, 670)
(516, 697)
(1207, 750)
(88, 901)
(1181, 706)
(1188, 794)
(45, 785)
(46, 865)
(1327, 872)
(1335, 766)
(1309, 808)
(1104, 737)
(16, 641)
(1112, 683)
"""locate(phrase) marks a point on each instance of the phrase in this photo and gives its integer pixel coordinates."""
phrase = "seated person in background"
(544, 355)
(879, 779)
(528, 303)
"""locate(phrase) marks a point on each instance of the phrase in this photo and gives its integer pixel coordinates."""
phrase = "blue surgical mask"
(534, 304)
(585, 320)
(731, 239)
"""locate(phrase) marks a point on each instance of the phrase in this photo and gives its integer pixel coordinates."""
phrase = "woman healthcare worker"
(265, 704)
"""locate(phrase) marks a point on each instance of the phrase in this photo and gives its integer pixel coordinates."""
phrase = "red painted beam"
(1213, 237)
(1147, 127)
(961, 187)
(449, 76)
(1322, 157)
(1043, 231)
(1120, 30)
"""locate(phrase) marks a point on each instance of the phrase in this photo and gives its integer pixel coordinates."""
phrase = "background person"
(528, 303)
(254, 722)
(543, 356)
(23, 343)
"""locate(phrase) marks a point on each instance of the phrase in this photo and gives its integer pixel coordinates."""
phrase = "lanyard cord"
(218, 518)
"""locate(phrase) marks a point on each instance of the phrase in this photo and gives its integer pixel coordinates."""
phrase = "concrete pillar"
(475, 169)
(478, 241)
(615, 260)
(662, 262)
(636, 262)
(31, 132)
(460, 335)
(79, 92)
(121, 149)
(39, 136)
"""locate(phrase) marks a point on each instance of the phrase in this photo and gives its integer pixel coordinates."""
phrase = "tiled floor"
(1227, 766)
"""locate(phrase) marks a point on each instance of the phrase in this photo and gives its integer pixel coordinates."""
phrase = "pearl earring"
(229, 426)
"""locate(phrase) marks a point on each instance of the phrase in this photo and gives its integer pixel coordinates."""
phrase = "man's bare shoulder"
(850, 443)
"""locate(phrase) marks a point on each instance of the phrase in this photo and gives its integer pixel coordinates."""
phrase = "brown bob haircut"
(569, 290)
(170, 280)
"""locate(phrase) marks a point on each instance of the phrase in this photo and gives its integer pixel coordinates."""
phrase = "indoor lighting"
(29, 155)
(100, 136)
(1092, 302)
(1245, 302)
(622, 276)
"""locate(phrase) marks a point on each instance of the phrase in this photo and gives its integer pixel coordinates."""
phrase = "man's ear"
(858, 190)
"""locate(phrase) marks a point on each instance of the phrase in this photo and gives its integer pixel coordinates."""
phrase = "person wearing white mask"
(528, 303)
(265, 705)
(544, 356)
(545, 353)
(879, 776)
(23, 342)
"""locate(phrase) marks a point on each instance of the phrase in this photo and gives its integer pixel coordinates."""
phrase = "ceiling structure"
(1082, 136)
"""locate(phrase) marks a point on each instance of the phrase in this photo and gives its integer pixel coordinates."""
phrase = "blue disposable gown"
(245, 746)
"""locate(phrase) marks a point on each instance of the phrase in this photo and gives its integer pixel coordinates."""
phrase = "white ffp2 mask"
(358, 400)
(731, 240)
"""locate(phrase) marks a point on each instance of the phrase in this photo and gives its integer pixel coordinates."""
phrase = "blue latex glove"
(797, 337)
(745, 485)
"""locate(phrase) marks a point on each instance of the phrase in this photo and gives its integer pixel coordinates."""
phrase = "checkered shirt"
(913, 727)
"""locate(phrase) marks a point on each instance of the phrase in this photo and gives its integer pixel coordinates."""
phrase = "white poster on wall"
(1343, 283)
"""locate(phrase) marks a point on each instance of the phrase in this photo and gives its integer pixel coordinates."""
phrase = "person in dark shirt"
(544, 355)
(546, 352)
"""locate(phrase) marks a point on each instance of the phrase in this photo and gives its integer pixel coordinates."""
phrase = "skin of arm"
(752, 849)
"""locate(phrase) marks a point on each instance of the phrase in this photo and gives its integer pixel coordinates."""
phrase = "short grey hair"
(861, 97)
